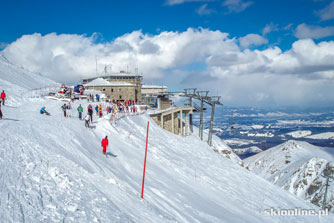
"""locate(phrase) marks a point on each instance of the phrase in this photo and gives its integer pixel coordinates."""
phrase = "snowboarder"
(3, 96)
(104, 144)
(80, 110)
(43, 111)
(64, 107)
(87, 119)
(90, 112)
(0, 112)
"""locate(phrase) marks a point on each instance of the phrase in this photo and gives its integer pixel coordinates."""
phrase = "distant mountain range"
(299, 168)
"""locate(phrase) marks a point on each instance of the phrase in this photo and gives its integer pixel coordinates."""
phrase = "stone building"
(117, 86)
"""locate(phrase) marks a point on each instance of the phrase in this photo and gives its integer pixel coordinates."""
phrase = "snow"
(239, 142)
(252, 149)
(295, 166)
(300, 133)
(257, 126)
(265, 134)
(52, 170)
(326, 135)
(103, 82)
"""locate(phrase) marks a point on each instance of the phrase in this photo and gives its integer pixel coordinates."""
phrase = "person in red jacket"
(3, 96)
(104, 144)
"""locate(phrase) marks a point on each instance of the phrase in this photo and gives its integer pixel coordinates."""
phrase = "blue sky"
(114, 18)
(245, 50)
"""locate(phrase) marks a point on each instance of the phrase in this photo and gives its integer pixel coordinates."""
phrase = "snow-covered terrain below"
(52, 169)
(326, 135)
(297, 167)
(252, 149)
(299, 133)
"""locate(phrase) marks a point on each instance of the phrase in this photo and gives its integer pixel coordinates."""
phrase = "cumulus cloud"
(314, 32)
(236, 5)
(303, 74)
(326, 13)
(252, 40)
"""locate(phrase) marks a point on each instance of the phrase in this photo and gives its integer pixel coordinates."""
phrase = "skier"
(43, 111)
(64, 107)
(0, 112)
(80, 110)
(90, 112)
(87, 118)
(104, 144)
(3, 96)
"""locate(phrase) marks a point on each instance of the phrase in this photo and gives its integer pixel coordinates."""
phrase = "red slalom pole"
(142, 186)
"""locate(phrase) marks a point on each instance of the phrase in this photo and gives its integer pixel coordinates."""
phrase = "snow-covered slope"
(18, 82)
(299, 133)
(297, 167)
(252, 149)
(326, 135)
(52, 170)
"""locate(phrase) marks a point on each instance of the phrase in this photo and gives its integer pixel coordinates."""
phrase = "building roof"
(122, 74)
(100, 82)
(153, 86)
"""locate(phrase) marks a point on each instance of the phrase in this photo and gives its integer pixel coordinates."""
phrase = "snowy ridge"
(19, 81)
(300, 133)
(52, 170)
(297, 167)
(252, 149)
(326, 135)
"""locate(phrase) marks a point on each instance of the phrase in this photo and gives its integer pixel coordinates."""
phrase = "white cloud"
(269, 28)
(326, 13)
(178, 2)
(313, 32)
(252, 40)
(288, 27)
(302, 75)
(204, 10)
(236, 5)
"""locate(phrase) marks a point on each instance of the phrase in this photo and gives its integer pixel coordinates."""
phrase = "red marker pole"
(142, 187)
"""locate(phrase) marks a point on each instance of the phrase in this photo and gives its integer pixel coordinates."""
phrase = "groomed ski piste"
(52, 169)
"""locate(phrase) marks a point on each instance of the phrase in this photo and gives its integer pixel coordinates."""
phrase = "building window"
(112, 89)
(120, 97)
(103, 89)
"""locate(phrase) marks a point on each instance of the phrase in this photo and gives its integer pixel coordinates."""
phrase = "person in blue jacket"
(43, 111)
(97, 109)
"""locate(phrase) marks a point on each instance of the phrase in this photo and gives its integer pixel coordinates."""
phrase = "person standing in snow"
(104, 144)
(87, 118)
(64, 107)
(80, 110)
(0, 112)
(100, 110)
(90, 112)
(3, 96)
(97, 109)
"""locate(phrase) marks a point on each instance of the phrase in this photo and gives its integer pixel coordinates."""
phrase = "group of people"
(3, 97)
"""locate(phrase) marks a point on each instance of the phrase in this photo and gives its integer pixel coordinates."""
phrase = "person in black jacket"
(0, 111)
